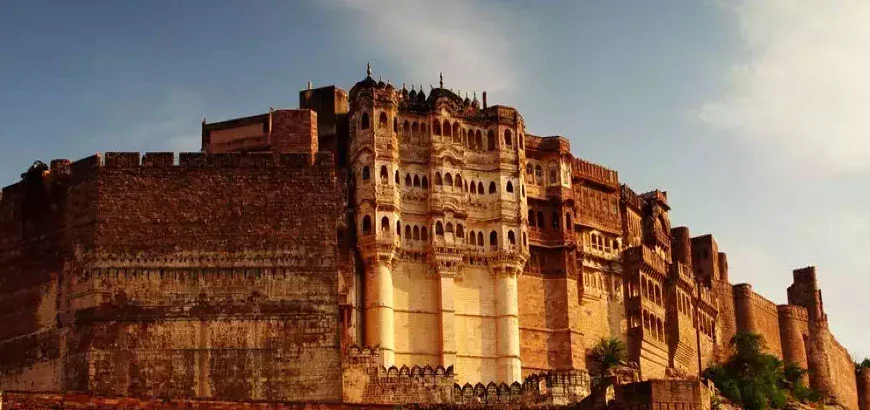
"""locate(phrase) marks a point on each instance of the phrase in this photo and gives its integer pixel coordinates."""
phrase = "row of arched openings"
(706, 325)
(475, 187)
(654, 325)
(537, 220)
(651, 290)
(684, 304)
(470, 138)
(600, 243)
(418, 233)
(535, 174)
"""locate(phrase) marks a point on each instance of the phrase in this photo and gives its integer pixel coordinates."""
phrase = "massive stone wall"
(757, 315)
(663, 395)
(211, 278)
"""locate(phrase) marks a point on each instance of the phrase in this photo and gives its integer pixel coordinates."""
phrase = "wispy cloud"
(802, 94)
(469, 40)
(169, 124)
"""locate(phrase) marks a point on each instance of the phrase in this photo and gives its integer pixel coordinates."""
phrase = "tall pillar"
(379, 309)
(447, 312)
(507, 325)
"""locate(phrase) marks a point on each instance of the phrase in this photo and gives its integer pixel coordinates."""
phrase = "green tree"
(607, 354)
(756, 380)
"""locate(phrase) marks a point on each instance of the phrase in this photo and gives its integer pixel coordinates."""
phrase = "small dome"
(421, 96)
(413, 94)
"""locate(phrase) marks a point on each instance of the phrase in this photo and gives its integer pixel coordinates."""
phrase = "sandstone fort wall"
(211, 278)
(757, 315)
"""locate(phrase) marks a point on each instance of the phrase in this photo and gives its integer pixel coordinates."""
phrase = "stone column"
(447, 312)
(379, 310)
(507, 325)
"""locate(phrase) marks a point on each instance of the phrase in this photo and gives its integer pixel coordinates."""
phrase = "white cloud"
(803, 91)
(469, 40)
(170, 124)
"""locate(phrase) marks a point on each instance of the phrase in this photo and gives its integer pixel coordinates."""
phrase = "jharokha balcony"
(545, 237)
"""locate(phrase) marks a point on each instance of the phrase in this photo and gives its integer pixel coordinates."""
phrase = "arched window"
(407, 179)
(382, 120)
(398, 228)
(437, 178)
(493, 239)
(459, 180)
(525, 242)
(490, 140)
(457, 136)
(645, 320)
(448, 179)
(661, 329)
(364, 121)
(472, 238)
(510, 187)
(408, 236)
(415, 128)
(520, 140)
(553, 175)
(529, 169)
(539, 175)
(406, 127)
(480, 238)
(480, 188)
(511, 238)
(540, 220)
(367, 225)
(492, 187)
(478, 139)
(508, 138)
(424, 234)
(416, 181)
(383, 173)
(449, 227)
(385, 224)
(531, 217)
(439, 229)
(568, 224)
(436, 127)
(555, 220)
(416, 233)
(460, 231)
(366, 174)
(473, 187)
(446, 129)
(397, 177)
(425, 182)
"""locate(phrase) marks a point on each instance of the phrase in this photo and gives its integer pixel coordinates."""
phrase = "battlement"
(595, 173)
(548, 144)
(793, 312)
(629, 197)
(190, 160)
(658, 196)
(805, 275)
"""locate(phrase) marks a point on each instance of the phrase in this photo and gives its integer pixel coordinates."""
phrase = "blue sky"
(751, 114)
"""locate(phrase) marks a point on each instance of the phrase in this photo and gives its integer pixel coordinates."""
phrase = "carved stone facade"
(478, 263)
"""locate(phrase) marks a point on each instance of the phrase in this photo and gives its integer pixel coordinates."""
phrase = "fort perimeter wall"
(172, 280)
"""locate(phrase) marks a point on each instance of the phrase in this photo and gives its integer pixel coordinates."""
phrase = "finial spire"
(441, 79)
(369, 69)
(309, 85)
(403, 86)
